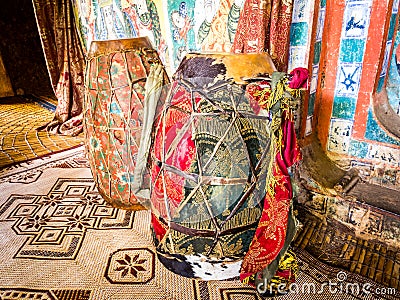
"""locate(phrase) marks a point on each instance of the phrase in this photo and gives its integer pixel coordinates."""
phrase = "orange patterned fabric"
(271, 232)
(270, 235)
(264, 26)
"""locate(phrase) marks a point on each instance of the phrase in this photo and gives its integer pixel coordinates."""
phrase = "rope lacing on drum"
(199, 179)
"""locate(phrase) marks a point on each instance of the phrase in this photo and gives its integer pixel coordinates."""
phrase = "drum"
(209, 160)
(115, 87)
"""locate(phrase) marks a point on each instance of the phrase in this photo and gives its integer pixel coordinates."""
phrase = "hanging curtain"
(65, 62)
(264, 26)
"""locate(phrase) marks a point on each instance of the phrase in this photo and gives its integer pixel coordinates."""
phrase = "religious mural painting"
(201, 25)
(142, 18)
(314, 79)
(340, 135)
(383, 154)
(315, 67)
(355, 133)
(355, 33)
(109, 23)
(178, 27)
(311, 98)
(300, 43)
(348, 80)
(174, 27)
(352, 47)
(181, 19)
(299, 36)
(388, 80)
(356, 19)
(120, 19)
(85, 19)
(300, 33)
(297, 55)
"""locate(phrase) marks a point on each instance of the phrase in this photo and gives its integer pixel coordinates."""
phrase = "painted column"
(353, 67)
(315, 68)
(301, 46)
(301, 33)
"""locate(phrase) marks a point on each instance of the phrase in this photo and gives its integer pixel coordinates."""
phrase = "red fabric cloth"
(271, 232)
(264, 26)
(257, 102)
(184, 154)
(299, 78)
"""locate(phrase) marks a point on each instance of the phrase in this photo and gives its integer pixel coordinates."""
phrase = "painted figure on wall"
(183, 26)
(202, 25)
(116, 19)
(109, 21)
(142, 18)
(181, 31)
(84, 15)
(209, 11)
(233, 19)
(206, 10)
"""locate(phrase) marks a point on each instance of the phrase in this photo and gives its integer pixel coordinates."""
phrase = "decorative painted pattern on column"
(300, 33)
(345, 79)
(300, 50)
(370, 144)
(350, 63)
(374, 131)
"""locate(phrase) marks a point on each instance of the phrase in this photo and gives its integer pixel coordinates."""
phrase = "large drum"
(115, 81)
(209, 162)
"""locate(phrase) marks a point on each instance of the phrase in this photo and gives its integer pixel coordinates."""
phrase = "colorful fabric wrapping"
(299, 78)
(205, 162)
(274, 232)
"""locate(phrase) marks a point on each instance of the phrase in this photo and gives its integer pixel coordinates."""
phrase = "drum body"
(209, 162)
(115, 81)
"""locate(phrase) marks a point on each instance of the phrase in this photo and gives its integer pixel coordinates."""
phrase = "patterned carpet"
(59, 240)
(19, 140)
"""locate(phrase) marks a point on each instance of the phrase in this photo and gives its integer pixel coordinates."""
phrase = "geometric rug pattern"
(14, 294)
(60, 240)
(55, 224)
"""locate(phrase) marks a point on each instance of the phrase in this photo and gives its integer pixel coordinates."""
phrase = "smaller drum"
(209, 162)
(115, 83)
